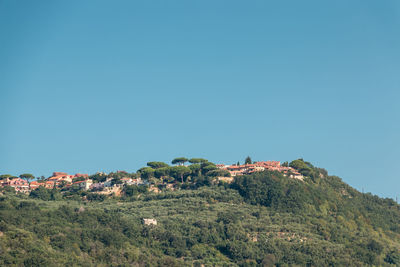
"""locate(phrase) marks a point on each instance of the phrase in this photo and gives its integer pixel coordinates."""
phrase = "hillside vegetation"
(262, 219)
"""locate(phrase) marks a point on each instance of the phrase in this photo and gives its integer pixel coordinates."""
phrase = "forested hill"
(260, 219)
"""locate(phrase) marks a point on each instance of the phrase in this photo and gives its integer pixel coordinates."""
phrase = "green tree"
(219, 173)
(146, 172)
(375, 246)
(5, 176)
(305, 168)
(27, 176)
(7, 188)
(299, 165)
(247, 160)
(195, 168)
(197, 160)
(41, 193)
(162, 172)
(157, 164)
(261, 188)
(132, 190)
(116, 180)
(179, 172)
(179, 161)
(269, 260)
(393, 257)
(208, 166)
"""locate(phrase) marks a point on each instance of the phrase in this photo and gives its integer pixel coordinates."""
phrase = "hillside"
(260, 219)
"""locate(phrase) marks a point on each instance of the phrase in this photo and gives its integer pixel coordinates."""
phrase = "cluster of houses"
(65, 180)
(109, 186)
(261, 166)
(58, 179)
(20, 185)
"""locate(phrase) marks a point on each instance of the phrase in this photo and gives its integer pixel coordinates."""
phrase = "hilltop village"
(65, 181)
(196, 213)
(157, 176)
(261, 166)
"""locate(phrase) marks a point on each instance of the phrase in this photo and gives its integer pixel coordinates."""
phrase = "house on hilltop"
(261, 166)
(35, 184)
(85, 184)
(59, 178)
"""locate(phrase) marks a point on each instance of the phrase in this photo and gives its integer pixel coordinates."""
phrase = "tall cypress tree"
(247, 160)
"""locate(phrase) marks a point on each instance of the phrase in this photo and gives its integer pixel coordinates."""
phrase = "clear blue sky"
(90, 86)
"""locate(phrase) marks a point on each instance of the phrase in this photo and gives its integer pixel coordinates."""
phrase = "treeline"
(196, 172)
(200, 172)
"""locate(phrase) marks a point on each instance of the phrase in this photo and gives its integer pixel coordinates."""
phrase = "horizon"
(101, 86)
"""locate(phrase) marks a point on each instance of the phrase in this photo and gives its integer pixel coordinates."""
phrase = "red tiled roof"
(59, 173)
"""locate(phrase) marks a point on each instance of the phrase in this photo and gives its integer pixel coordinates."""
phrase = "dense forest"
(260, 219)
